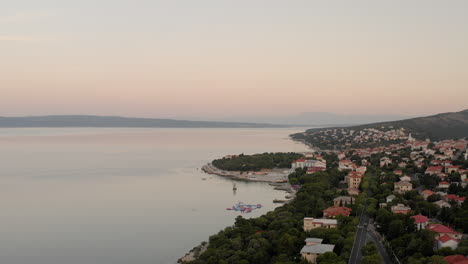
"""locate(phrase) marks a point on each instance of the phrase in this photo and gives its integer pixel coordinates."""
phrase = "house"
(390, 198)
(405, 178)
(442, 194)
(346, 165)
(442, 230)
(354, 179)
(446, 163)
(447, 241)
(433, 170)
(315, 163)
(332, 212)
(426, 193)
(456, 259)
(402, 187)
(444, 185)
(298, 164)
(315, 248)
(343, 200)
(442, 203)
(456, 198)
(312, 170)
(450, 169)
(312, 223)
(398, 172)
(400, 209)
(421, 221)
(385, 161)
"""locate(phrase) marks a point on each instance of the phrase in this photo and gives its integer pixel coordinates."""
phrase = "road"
(366, 232)
(374, 236)
(360, 239)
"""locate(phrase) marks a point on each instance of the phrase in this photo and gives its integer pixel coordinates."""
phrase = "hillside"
(116, 121)
(436, 127)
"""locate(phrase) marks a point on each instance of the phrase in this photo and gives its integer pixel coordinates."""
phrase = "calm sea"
(121, 196)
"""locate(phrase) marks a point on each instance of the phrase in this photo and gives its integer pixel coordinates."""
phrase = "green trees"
(277, 237)
(330, 258)
(257, 161)
(370, 254)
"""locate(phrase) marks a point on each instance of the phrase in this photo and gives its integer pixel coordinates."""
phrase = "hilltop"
(118, 121)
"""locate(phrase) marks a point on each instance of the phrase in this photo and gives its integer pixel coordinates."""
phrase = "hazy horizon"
(230, 58)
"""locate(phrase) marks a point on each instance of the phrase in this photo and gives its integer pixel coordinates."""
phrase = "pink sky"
(234, 59)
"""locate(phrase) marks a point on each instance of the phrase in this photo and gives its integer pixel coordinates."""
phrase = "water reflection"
(119, 196)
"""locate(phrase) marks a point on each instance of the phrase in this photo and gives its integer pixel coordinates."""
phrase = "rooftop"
(318, 249)
(313, 240)
(420, 218)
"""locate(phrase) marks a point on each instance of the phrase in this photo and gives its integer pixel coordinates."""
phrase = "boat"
(234, 187)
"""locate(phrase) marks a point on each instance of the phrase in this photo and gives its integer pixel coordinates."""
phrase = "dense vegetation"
(257, 161)
(277, 237)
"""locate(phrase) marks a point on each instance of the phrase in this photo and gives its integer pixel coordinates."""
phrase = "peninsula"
(383, 195)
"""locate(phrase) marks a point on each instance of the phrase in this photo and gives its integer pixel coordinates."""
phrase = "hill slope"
(436, 127)
(116, 121)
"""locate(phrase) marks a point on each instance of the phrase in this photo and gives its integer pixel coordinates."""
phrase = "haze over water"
(120, 196)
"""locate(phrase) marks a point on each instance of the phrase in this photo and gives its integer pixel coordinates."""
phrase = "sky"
(218, 58)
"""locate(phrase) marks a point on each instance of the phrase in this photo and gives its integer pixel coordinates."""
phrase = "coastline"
(273, 176)
(279, 182)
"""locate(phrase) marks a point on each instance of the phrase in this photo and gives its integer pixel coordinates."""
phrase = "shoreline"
(280, 182)
(274, 176)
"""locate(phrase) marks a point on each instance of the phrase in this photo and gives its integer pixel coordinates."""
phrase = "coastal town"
(406, 164)
(390, 195)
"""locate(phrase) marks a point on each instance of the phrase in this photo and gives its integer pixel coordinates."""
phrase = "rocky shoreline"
(273, 176)
(194, 253)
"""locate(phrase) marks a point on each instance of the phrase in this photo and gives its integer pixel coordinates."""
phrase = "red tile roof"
(456, 259)
(454, 197)
(428, 192)
(434, 168)
(334, 211)
(420, 218)
(441, 229)
(446, 238)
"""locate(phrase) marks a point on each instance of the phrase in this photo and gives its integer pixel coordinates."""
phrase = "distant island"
(118, 121)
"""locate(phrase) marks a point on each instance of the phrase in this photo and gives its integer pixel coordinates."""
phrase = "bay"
(120, 196)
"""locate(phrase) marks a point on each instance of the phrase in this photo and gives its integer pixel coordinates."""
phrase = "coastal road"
(374, 236)
(360, 239)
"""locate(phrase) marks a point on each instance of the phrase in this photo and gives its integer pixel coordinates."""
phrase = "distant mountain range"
(310, 119)
(117, 121)
(435, 127)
